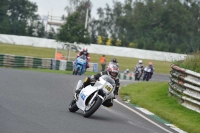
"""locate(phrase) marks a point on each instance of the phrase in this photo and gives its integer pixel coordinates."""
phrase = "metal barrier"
(7, 60)
(93, 67)
(123, 76)
(185, 85)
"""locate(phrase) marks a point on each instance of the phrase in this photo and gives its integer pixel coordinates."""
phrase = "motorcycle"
(138, 73)
(80, 65)
(93, 96)
(147, 74)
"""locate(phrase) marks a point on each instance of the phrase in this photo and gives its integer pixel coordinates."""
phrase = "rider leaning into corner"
(85, 52)
(112, 71)
(139, 65)
(150, 66)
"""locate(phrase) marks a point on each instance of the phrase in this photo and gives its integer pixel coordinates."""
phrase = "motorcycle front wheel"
(147, 77)
(90, 109)
(73, 71)
(136, 76)
(77, 71)
(72, 106)
(144, 77)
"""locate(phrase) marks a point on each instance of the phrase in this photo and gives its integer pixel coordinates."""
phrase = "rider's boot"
(77, 92)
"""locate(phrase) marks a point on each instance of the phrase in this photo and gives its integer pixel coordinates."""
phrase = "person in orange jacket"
(103, 62)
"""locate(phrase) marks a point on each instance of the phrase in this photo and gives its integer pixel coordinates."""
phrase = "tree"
(15, 16)
(4, 27)
(73, 31)
(41, 30)
(99, 40)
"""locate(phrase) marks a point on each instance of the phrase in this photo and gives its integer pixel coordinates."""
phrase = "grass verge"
(154, 97)
(124, 62)
(191, 62)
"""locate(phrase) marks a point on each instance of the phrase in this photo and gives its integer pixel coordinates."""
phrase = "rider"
(139, 65)
(112, 71)
(150, 65)
(114, 61)
(126, 71)
(85, 52)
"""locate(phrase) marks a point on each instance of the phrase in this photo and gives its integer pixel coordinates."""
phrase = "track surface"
(36, 102)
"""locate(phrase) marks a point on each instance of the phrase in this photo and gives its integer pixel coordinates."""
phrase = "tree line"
(162, 25)
(19, 17)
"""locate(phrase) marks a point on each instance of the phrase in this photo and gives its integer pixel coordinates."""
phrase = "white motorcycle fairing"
(147, 69)
(89, 90)
(84, 94)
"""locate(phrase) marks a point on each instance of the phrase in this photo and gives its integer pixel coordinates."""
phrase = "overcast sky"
(56, 7)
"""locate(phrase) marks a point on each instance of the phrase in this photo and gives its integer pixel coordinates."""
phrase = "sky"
(56, 7)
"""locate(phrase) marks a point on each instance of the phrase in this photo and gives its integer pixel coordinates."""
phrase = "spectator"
(103, 62)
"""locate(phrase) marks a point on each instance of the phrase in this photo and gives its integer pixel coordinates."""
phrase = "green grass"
(154, 97)
(124, 62)
(191, 62)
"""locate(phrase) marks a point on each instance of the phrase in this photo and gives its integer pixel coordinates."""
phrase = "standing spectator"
(103, 62)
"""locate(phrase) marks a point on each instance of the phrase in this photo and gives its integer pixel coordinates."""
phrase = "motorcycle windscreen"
(108, 82)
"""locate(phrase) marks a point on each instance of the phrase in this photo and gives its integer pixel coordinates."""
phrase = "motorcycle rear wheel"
(72, 106)
(97, 103)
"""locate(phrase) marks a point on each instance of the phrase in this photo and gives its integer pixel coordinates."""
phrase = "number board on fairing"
(108, 88)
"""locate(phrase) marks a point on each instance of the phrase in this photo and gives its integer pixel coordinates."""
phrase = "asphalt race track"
(36, 102)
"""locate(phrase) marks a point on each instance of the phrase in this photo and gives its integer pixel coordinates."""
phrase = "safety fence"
(7, 60)
(185, 85)
(124, 76)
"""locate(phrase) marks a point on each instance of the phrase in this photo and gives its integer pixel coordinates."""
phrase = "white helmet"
(140, 61)
(113, 70)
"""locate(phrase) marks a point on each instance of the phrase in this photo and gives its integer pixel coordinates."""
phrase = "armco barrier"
(53, 65)
(93, 67)
(69, 65)
(1, 60)
(63, 64)
(185, 85)
(124, 76)
(28, 62)
(7, 60)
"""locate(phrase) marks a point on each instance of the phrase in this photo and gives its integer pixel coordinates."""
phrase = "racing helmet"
(113, 70)
(85, 50)
(127, 70)
(140, 61)
(150, 63)
(114, 60)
